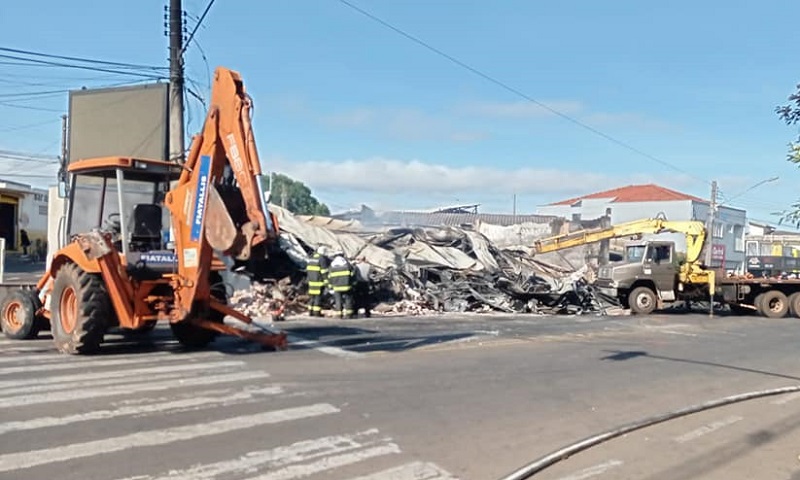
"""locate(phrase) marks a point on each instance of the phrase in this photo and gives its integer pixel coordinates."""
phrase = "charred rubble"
(418, 270)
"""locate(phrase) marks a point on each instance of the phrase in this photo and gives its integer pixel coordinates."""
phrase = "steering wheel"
(113, 222)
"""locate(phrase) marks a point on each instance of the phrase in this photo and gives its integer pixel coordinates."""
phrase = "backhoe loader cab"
(125, 197)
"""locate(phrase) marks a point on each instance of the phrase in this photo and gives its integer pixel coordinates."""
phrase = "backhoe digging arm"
(218, 203)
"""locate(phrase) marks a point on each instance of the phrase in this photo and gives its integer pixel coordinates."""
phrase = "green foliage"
(790, 113)
(296, 196)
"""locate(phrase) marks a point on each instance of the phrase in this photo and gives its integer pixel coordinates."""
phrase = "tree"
(295, 196)
(790, 113)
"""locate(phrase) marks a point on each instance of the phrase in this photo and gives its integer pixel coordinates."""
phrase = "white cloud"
(383, 175)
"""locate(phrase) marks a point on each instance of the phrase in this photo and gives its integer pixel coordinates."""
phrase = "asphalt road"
(471, 397)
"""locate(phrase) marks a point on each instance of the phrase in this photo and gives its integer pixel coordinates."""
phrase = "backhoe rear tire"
(18, 315)
(642, 301)
(80, 309)
(194, 337)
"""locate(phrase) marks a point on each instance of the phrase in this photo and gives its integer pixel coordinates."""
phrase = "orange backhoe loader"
(121, 269)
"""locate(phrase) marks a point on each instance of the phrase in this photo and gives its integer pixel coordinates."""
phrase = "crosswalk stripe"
(272, 459)
(411, 471)
(192, 403)
(328, 463)
(62, 362)
(20, 460)
(91, 384)
(85, 377)
(72, 395)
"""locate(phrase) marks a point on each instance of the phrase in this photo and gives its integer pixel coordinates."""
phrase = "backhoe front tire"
(18, 315)
(642, 301)
(80, 310)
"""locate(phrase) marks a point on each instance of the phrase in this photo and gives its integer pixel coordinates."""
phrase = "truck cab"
(645, 278)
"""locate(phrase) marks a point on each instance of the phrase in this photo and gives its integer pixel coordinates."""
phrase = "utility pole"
(176, 141)
(284, 196)
(63, 143)
(712, 207)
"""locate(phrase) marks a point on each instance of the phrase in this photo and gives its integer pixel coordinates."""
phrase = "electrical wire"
(28, 107)
(46, 63)
(518, 92)
(84, 60)
(562, 454)
(30, 125)
(196, 26)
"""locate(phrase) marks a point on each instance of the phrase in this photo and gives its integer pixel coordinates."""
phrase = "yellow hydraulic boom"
(690, 272)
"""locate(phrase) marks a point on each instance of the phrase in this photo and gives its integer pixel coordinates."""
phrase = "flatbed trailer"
(770, 297)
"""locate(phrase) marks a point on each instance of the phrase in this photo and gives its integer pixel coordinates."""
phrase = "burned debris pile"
(421, 271)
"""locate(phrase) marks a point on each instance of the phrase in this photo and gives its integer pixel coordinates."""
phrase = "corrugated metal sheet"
(458, 219)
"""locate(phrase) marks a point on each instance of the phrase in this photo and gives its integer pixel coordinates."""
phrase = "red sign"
(718, 253)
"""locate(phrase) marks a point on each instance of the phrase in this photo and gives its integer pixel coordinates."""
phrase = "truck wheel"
(642, 301)
(794, 304)
(774, 304)
(18, 315)
(192, 336)
(80, 309)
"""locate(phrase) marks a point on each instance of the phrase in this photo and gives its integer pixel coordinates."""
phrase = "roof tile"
(635, 193)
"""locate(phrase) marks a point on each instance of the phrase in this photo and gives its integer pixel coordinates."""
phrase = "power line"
(516, 91)
(83, 60)
(28, 107)
(46, 63)
(8, 96)
(30, 125)
(196, 26)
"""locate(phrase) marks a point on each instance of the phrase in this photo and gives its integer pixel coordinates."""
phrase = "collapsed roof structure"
(472, 267)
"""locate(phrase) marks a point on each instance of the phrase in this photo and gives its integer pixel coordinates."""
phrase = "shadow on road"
(622, 355)
(732, 449)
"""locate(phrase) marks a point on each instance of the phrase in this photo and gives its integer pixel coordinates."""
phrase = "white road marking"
(411, 471)
(706, 429)
(72, 395)
(593, 471)
(328, 463)
(127, 374)
(63, 362)
(324, 348)
(193, 403)
(685, 334)
(20, 460)
(784, 399)
(304, 451)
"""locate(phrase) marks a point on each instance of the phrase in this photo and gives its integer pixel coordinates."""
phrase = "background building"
(22, 207)
(771, 252)
(635, 202)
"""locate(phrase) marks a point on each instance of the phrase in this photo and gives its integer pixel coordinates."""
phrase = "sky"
(677, 93)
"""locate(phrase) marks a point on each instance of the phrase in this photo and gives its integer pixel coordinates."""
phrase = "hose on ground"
(564, 453)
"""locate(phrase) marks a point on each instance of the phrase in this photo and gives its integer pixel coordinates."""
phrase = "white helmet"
(322, 250)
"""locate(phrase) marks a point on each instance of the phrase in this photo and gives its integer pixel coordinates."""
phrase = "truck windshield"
(634, 253)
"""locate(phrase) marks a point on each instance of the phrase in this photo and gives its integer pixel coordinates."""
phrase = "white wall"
(55, 209)
(32, 214)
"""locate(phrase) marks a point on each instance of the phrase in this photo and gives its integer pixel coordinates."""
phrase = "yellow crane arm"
(695, 235)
